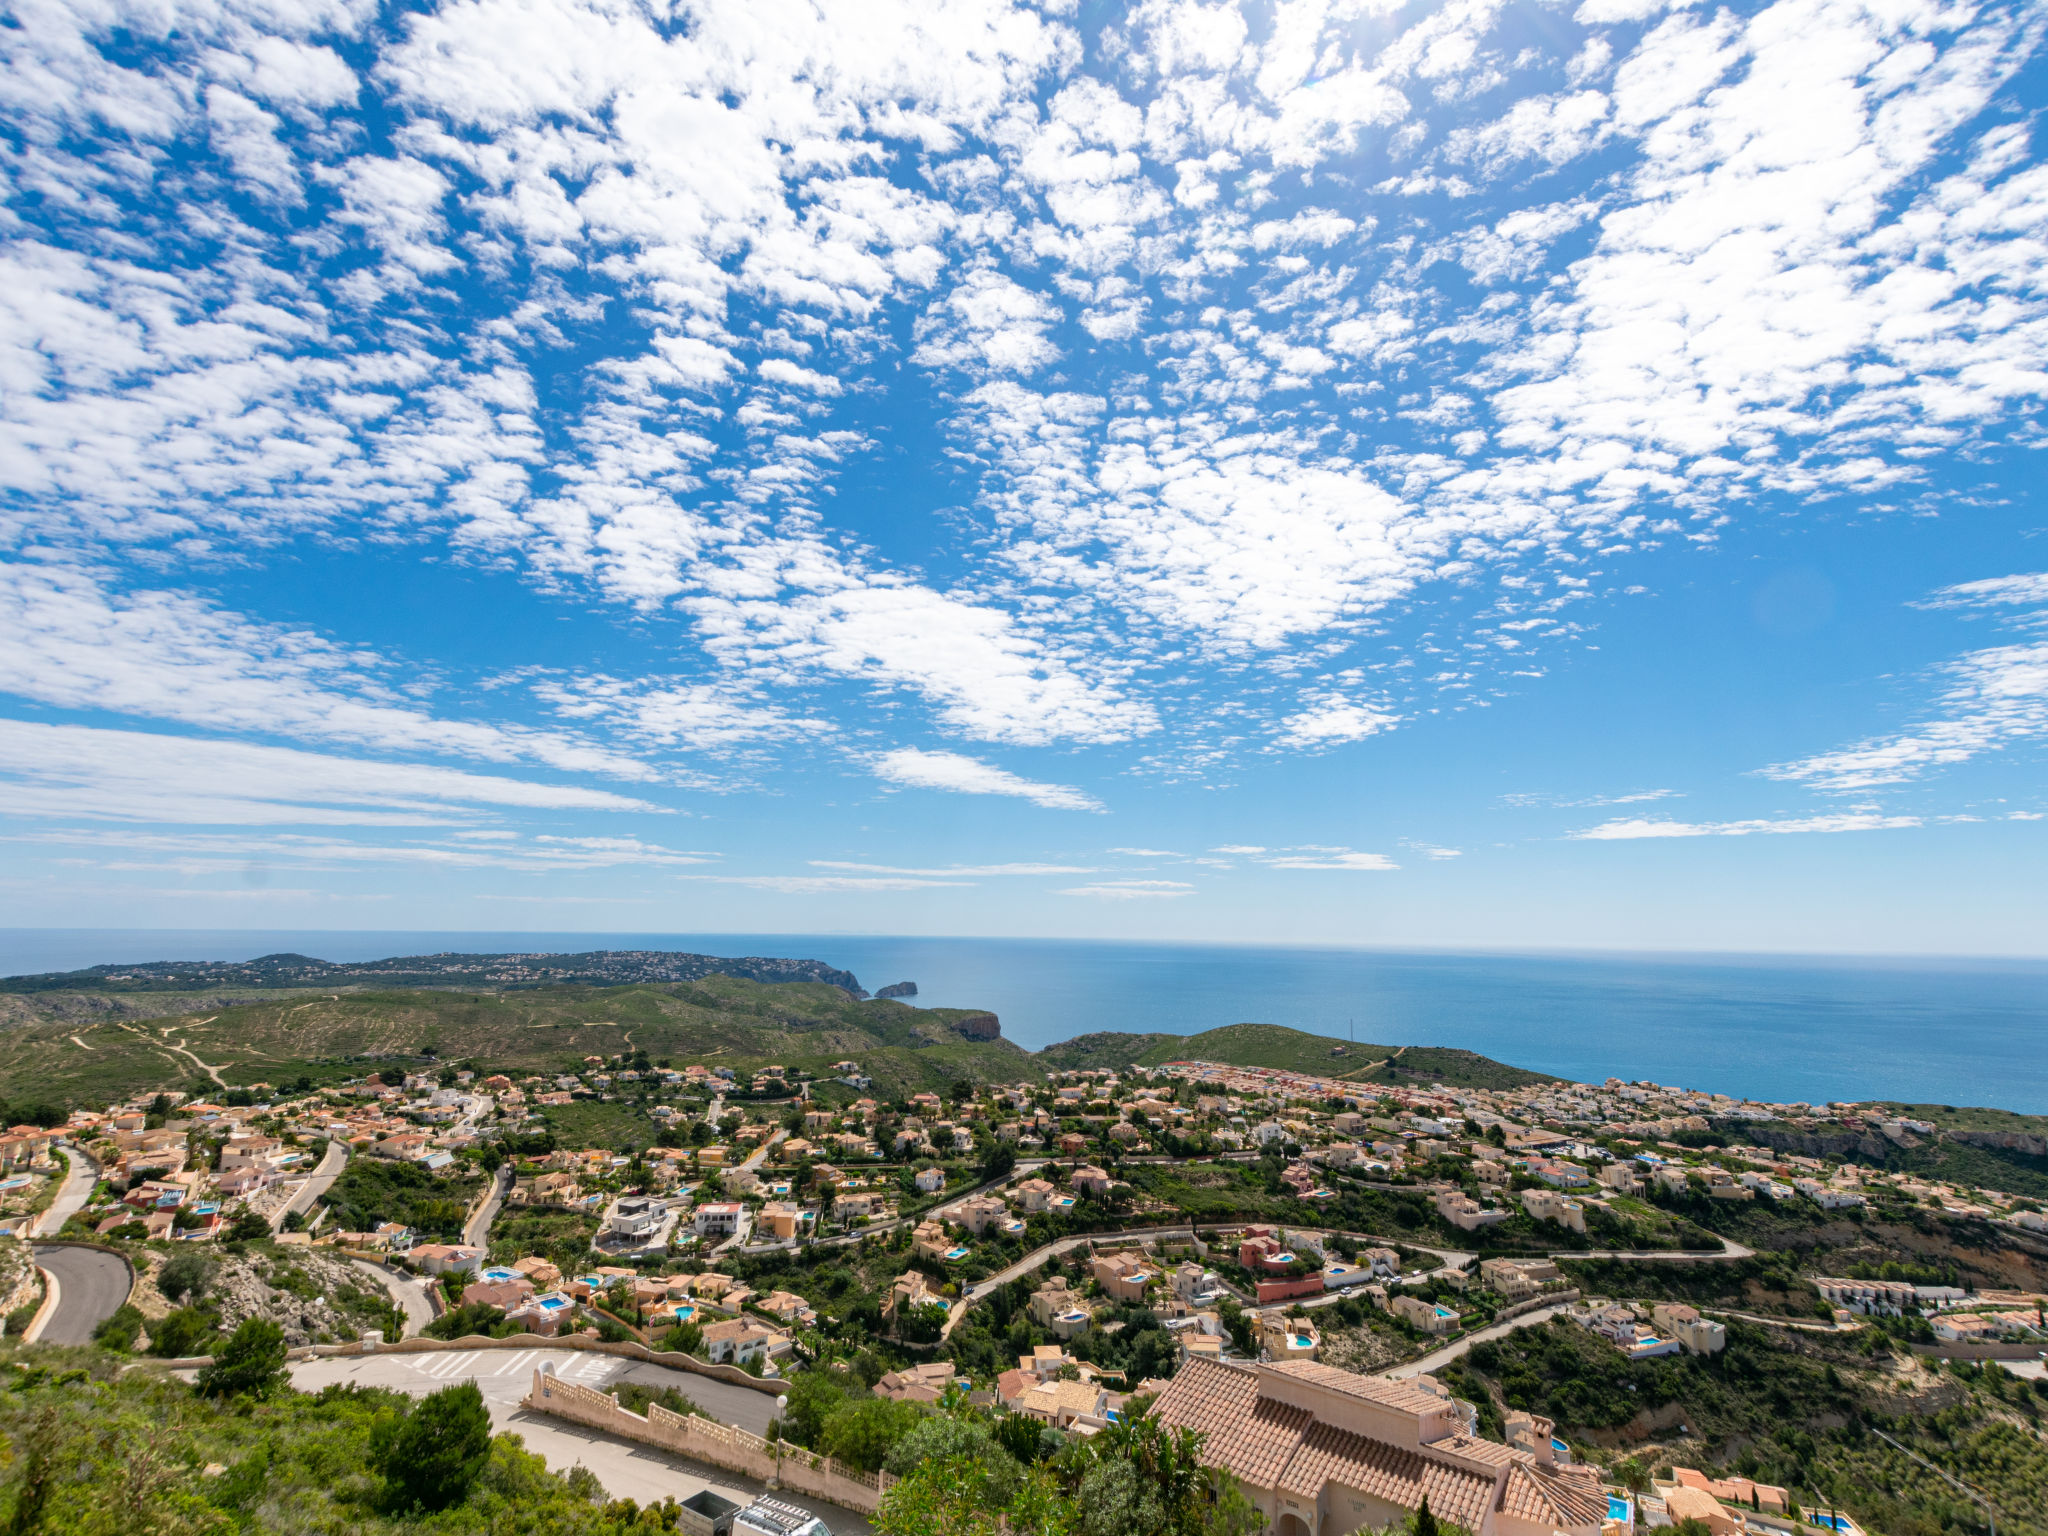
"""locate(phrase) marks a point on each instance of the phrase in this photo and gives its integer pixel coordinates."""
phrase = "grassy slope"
(720, 1020)
(1293, 1050)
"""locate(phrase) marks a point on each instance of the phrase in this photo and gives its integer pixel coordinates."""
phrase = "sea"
(1781, 1028)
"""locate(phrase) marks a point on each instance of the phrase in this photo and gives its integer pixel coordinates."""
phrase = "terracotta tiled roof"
(1487, 1453)
(1404, 1395)
(1271, 1445)
(1331, 1455)
(1551, 1498)
(1253, 1439)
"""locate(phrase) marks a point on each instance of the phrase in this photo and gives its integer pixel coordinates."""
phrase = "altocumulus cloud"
(963, 775)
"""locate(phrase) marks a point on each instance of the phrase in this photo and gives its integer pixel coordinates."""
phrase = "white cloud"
(1146, 853)
(1335, 719)
(1992, 698)
(668, 712)
(959, 871)
(1132, 890)
(1995, 697)
(195, 853)
(78, 771)
(66, 639)
(1847, 821)
(826, 885)
(1318, 857)
(963, 775)
(988, 324)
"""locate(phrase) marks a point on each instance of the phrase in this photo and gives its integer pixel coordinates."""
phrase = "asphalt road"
(72, 1195)
(625, 1468)
(90, 1286)
(410, 1294)
(478, 1227)
(1450, 1352)
(332, 1161)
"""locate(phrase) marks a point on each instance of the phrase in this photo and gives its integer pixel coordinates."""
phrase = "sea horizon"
(1950, 1029)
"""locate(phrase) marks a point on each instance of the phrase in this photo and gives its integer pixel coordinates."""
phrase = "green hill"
(1290, 1050)
(51, 1053)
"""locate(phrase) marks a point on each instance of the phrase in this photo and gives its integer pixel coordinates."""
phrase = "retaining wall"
(625, 1351)
(718, 1445)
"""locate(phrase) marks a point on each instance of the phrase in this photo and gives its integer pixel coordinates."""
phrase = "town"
(1196, 1242)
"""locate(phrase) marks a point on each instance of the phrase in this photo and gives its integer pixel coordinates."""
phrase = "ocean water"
(1782, 1028)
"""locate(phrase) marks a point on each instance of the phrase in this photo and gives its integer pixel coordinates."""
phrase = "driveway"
(626, 1468)
(90, 1285)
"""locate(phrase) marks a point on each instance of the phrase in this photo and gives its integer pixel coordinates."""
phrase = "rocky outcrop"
(978, 1026)
(898, 989)
(1862, 1145)
(2004, 1141)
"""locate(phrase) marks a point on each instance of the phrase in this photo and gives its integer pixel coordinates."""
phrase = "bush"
(185, 1277)
(250, 1364)
(435, 1455)
(185, 1332)
(460, 1322)
(864, 1433)
(119, 1332)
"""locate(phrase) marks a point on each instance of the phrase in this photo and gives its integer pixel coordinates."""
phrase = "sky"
(1468, 475)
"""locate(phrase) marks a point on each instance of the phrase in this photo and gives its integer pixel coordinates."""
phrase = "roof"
(1271, 1444)
(1554, 1497)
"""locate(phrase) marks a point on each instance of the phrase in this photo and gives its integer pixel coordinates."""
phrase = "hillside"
(596, 968)
(58, 1056)
(1289, 1050)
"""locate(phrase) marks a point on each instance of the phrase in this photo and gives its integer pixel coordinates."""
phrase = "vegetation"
(1289, 1050)
(372, 1190)
(90, 1451)
(1803, 1411)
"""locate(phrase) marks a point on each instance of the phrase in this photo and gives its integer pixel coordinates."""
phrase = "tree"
(119, 1331)
(863, 1434)
(184, 1333)
(813, 1397)
(682, 1339)
(250, 1364)
(943, 1438)
(183, 1276)
(247, 1227)
(1423, 1523)
(433, 1458)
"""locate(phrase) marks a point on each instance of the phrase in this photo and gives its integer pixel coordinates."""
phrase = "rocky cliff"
(979, 1026)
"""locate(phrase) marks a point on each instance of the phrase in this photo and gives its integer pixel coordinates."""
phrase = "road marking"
(516, 1363)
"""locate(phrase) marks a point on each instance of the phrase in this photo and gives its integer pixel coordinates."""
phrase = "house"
(447, 1258)
(1059, 1311)
(721, 1218)
(544, 1315)
(787, 1308)
(1682, 1503)
(1699, 1335)
(1465, 1213)
(1288, 1338)
(857, 1205)
(543, 1274)
(1549, 1205)
(929, 1241)
(739, 1341)
(1123, 1276)
(909, 1292)
(1318, 1449)
(1424, 1316)
(1065, 1404)
(1518, 1279)
(635, 1218)
(1196, 1286)
(918, 1383)
(1734, 1490)
(1089, 1180)
(931, 1181)
(979, 1214)
(505, 1295)
(1035, 1194)
(785, 1219)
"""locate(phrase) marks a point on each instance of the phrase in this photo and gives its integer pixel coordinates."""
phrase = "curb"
(51, 1292)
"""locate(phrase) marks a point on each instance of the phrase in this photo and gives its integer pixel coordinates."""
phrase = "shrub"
(186, 1331)
(184, 1277)
(435, 1455)
(250, 1364)
(119, 1332)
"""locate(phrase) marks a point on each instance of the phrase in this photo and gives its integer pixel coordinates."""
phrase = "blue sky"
(1472, 474)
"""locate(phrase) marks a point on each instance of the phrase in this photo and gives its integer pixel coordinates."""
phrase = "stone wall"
(718, 1445)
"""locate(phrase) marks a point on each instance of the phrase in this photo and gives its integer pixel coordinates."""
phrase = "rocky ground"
(1362, 1349)
(19, 1284)
(313, 1297)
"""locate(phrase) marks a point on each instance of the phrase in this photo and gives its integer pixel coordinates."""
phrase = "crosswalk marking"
(516, 1364)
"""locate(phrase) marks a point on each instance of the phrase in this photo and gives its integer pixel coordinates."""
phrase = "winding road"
(76, 1189)
(89, 1285)
(332, 1161)
(478, 1227)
